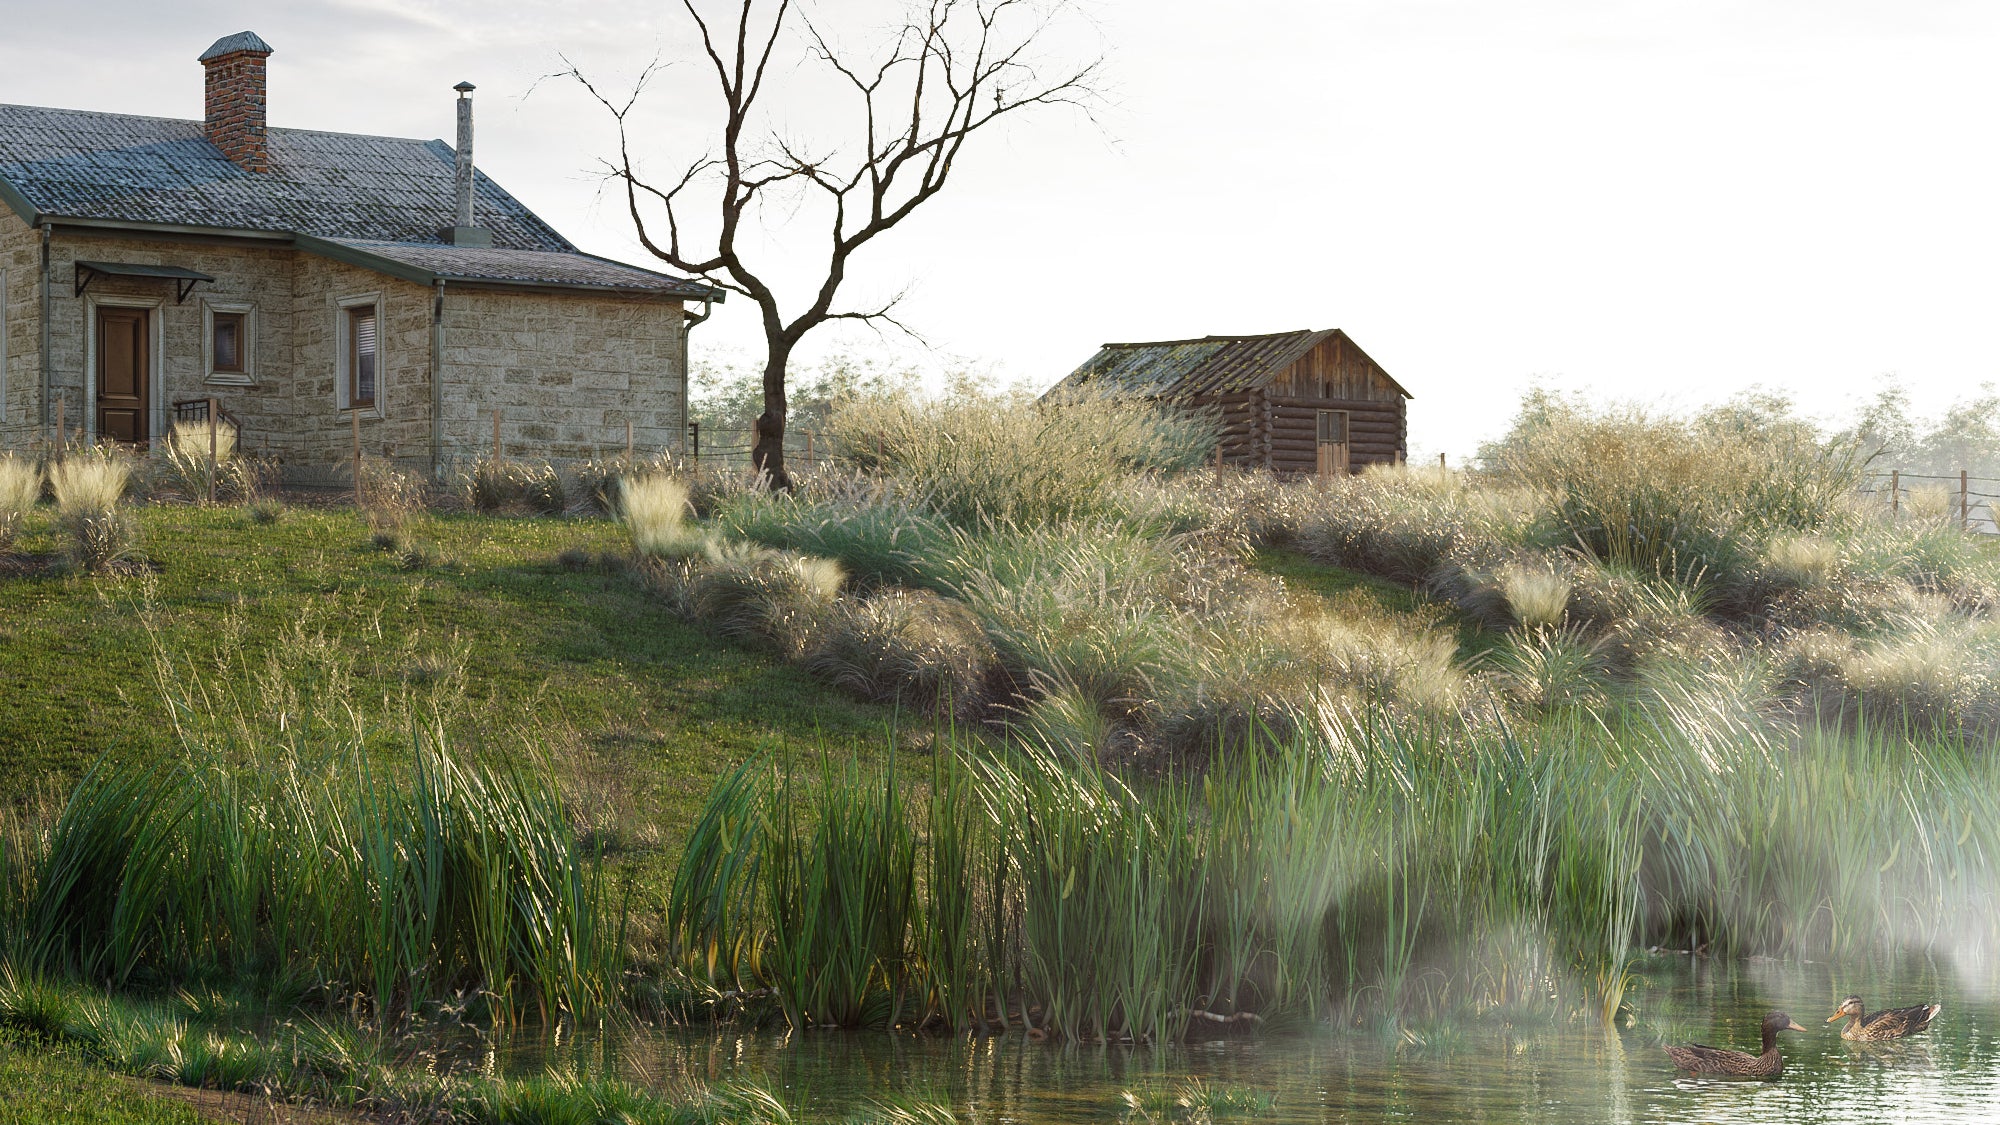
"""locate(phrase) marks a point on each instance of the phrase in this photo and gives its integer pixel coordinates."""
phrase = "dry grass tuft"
(89, 487)
(20, 488)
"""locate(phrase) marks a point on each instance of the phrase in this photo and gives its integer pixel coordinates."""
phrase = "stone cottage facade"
(300, 279)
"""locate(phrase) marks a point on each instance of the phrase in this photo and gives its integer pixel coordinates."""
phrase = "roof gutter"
(18, 203)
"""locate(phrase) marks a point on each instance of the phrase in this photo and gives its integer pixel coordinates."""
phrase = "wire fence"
(1959, 496)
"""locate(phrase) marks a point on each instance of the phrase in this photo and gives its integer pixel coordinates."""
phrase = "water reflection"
(1489, 1074)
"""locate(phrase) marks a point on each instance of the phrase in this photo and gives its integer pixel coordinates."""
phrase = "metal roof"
(386, 197)
(512, 267)
(231, 44)
(1207, 366)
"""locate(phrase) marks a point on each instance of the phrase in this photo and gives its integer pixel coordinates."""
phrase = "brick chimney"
(235, 104)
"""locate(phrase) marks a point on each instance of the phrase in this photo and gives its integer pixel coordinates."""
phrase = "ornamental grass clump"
(904, 646)
(20, 488)
(755, 594)
(185, 467)
(89, 490)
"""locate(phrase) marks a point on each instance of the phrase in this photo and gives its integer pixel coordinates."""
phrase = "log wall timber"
(1268, 430)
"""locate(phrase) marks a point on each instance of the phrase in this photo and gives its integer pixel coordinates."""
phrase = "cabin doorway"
(1332, 443)
(124, 374)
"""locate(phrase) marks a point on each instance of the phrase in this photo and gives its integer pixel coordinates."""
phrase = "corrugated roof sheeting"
(527, 267)
(1189, 368)
(85, 165)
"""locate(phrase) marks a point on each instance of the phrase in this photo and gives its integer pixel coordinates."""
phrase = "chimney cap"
(465, 87)
(236, 44)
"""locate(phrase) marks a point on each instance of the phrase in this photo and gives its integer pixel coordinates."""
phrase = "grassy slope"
(42, 1084)
(1368, 596)
(584, 662)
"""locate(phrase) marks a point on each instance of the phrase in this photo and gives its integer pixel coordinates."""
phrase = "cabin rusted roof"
(1210, 365)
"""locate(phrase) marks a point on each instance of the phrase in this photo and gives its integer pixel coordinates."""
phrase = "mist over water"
(1571, 1072)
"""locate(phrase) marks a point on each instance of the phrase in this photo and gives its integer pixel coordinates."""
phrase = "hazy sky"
(1643, 199)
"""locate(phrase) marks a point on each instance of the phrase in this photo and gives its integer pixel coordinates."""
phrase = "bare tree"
(953, 68)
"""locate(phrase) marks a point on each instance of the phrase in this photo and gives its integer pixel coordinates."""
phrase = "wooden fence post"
(1964, 503)
(62, 400)
(1440, 460)
(694, 443)
(496, 436)
(354, 415)
(809, 449)
(214, 425)
(628, 439)
(1895, 492)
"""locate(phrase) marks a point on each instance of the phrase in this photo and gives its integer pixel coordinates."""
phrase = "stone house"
(302, 279)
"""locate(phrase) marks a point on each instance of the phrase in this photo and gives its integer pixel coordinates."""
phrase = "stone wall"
(245, 275)
(566, 371)
(399, 426)
(20, 333)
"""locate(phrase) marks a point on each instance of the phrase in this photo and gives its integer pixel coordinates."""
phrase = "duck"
(1864, 1026)
(1697, 1059)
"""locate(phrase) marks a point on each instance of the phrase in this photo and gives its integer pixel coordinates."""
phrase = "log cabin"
(1288, 402)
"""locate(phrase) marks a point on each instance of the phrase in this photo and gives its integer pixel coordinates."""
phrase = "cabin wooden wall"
(1262, 429)
(1336, 369)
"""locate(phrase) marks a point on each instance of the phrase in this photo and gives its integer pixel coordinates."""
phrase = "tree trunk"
(767, 454)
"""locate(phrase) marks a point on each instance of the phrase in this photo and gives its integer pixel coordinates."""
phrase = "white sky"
(1641, 199)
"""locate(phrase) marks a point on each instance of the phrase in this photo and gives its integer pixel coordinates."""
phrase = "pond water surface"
(1480, 1072)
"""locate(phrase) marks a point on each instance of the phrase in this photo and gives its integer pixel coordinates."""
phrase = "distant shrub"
(20, 488)
(266, 511)
(1678, 495)
(390, 497)
(974, 457)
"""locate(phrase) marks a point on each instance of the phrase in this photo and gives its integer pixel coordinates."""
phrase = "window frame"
(345, 369)
(245, 374)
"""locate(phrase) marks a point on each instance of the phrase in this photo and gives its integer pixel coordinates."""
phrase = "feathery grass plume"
(89, 488)
(906, 646)
(1537, 597)
(978, 456)
(20, 488)
(654, 509)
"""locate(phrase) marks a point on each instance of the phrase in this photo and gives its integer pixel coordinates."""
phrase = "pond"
(1481, 1071)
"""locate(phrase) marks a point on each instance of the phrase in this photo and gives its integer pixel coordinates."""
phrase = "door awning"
(184, 279)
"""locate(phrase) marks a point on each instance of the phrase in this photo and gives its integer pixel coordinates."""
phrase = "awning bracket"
(184, 280)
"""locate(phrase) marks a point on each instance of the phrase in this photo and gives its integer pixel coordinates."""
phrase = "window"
(227, 341)
(1333, 427)
(231, 331)
(362, 355)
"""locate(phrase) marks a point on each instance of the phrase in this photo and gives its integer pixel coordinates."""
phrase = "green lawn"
(40, 1084)
(637, 709)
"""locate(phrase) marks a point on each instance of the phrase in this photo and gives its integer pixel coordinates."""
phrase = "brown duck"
(1864, 1026)
(1697, 1059)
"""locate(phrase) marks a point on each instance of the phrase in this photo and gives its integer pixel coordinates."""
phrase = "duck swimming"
(1864, 1026)
(1697, 1059)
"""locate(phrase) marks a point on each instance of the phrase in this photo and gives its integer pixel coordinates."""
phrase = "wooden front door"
(124, 366)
